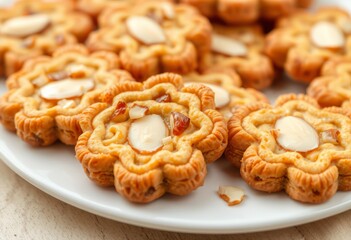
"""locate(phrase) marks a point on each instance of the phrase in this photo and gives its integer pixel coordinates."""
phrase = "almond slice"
(232, 195)
(64, 103)
(77, 71)
(178, 123)
(67, 88)
(327, 35)
(145, 30)
(137, 112)
(222, 96)
(168, 10)
(296, 134)
(330, 136)
(25, 25)
(167, 140)
(146, 133)
(228, 46)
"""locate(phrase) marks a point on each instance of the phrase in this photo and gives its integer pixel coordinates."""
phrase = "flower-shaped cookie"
(156, 137)
(225, 83)
(45, 98)
(153, 37)
(35, 27)
(303, 42)
(240, 48)
(333, 88)
(295, 146)
(249, 11)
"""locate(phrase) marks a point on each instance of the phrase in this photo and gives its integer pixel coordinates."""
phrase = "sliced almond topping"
(232, 195)
(167, 140)
(228, 46)
(120, 113)
(330, 136)
(67, 88)
(327, 35)
(168, 10)
(40, 81)
(146, 133)
(137, 111)
(145, 30)
(56, 76)
(296, 134)
(25, 25)
(164, 98)
(222, 97)
(178, 123)
(64, 103)
(346, 25)
(77, 71)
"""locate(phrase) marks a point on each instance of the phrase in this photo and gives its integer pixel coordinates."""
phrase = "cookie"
(225, 83)
(333, 87)
(32, 28)
(294, 146)
(46, 98)
(156, 137)
(153, 37)
(240, 48)
(302, 43)
(249, 11)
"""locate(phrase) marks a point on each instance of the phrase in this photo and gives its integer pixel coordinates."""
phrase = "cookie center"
(147, 133)
(25, 25)
(296, 134)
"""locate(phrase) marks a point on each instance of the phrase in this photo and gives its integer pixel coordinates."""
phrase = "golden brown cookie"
(225, 83)
(46, 98)
(153, 37)
(240, 48)
(333, 88)
(248, 11)
(294, 146)
(156, 137)
(302, 43)
(32, 28)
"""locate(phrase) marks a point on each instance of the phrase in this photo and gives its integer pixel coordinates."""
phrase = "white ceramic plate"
(56, 171)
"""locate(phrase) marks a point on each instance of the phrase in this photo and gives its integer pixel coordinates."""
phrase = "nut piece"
(168, 10)
(296, 134)
(67, 88)
(232, 195)
(25, 25)
(222, 97)
(228, 46)
(178, 123)
(146, 133)
(327, 35)
(145, 30)
(120, 113)
(137, 112)
(64, 103)
(78, 71)
(167, 140)
(330, 136)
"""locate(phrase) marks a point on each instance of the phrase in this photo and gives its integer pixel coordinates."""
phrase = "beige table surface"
(28, 213)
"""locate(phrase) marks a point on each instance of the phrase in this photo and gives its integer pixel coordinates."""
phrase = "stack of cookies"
(151, 92)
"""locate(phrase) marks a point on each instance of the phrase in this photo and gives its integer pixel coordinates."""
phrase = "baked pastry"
(302, 43)
(294, 146)
(46, 98)
(153, 37)
(95, 7)
(333, 87)
(34, 27)
(249, 11)
(156, 137)
(225, 83)
(240, 48)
